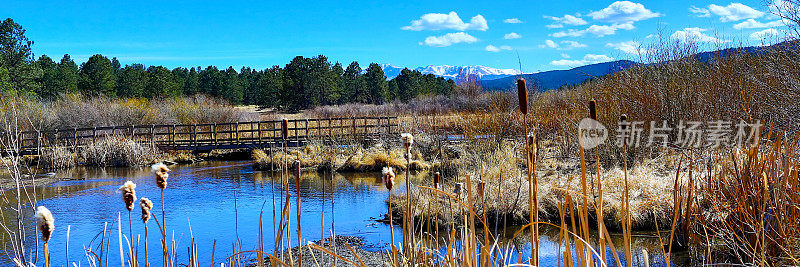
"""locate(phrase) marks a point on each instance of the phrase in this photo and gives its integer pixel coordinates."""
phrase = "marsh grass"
(118, 151)
(55, 158)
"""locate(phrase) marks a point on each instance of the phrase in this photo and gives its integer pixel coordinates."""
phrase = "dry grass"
(57, 158)
(118, 152)
(329, 158)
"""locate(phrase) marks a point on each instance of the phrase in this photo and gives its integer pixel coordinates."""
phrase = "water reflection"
(221, 202)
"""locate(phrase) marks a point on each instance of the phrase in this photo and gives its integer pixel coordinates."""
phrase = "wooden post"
(194, 135)
(75, 140)
(172, 137)
(237, 132)
(214, 134)
(94, 135)
(307, 137)
(319, 129)
(258, 126)
(153, 135)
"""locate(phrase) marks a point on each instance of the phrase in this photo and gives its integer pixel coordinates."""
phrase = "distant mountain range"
(504, 79)
(554, 79)
(454, 72)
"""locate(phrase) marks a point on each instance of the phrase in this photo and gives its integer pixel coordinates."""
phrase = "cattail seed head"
(162, 174)
(623, 119)
(532, 143)
(45, 222)
(146, 206)
(522, 94)
(388, 177)
(593, 109)
(285, 128)
(481, 188)
(457, 188)
(436, 180)
(128, 191)
(407, 139)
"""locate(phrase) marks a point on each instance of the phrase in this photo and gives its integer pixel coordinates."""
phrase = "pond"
(220, 202)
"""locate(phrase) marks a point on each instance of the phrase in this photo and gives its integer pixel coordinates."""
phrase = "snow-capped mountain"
(454, 72)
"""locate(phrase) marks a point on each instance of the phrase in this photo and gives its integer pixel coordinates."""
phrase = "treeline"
(302, 83)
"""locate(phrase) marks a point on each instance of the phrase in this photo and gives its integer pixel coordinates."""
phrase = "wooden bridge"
(208, 136)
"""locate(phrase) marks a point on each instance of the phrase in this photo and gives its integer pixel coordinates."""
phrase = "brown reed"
(128, 191)
(161, 173)
(299, 209)
(146, 206)
(388, 181)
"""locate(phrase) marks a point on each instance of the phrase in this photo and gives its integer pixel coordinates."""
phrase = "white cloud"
(701, 12)
(512, 21)
(734, 12)
(449, 39)
(651, 36)
(573, 44)
(630, 47)
(597, 30)
(565, 45)
(569, 33)
(696, 35)
(549, 43)
(495, 49)
(587, 59)
(623, 12)
(564, 55)
(512, 35)
(765, 34)
(754, 24)
(559, 22)
(451, 21)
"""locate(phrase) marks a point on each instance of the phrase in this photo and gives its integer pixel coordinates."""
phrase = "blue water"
(220, 202)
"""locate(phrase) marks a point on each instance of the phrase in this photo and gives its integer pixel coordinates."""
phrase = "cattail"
(532, 145)
(45, 222)
(407, 139)
(481, 187)
(285, 128)
(593, 109)
(457, 189)
(146, 205)
(388, 177)
(436, 180)
(128, 194)
(162, 174)
(623, 119)
(522, 94)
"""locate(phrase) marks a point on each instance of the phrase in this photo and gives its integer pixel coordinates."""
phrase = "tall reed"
(161, 173)
(388, 182)
(128, 191)
(522, 95)
(146, 206)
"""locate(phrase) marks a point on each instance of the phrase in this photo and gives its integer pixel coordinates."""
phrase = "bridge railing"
(211, 135)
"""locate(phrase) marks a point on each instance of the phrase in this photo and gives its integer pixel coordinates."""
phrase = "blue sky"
(548, 34)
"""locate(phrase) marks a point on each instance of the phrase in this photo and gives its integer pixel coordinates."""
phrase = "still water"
(222, 203)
